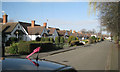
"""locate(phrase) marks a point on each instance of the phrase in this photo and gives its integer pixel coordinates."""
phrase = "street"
(99, 56)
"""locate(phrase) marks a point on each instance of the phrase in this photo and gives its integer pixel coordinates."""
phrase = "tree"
(61, 39)
(109, 15)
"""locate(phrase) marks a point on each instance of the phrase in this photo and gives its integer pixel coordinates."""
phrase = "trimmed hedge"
(47, 39)
(24, 48)
(13, 48)
(61, 39)
(57, 40)
(28, 47)
(51, 40)
(75, 42)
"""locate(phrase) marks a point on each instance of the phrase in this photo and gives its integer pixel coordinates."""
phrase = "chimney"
(74, 31)
(5, 18)
(45, 24)
(32, 23)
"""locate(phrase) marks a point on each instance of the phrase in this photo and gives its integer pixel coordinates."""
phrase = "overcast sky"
(64, 15)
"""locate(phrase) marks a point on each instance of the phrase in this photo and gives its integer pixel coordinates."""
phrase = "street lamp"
(17, 34)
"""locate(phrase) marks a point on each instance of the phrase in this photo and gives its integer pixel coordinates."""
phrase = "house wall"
(32, 37)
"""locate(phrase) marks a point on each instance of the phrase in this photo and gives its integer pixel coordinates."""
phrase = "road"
(99, 56)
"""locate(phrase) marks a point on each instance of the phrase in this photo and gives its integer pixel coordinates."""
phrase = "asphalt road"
(99, 56)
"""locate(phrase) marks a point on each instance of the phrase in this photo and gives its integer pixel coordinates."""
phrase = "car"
(32, 65)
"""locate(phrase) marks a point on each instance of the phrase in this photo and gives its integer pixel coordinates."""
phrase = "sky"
(63, 15)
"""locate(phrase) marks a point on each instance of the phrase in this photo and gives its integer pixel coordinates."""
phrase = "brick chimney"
(45, 24)
(74, 31)
(5, 18)
(32, 23)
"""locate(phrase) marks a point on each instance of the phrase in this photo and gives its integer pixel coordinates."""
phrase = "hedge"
(51, 40)
(13, 48)
(61, 39)
(24, 48)
(47, 39)
(57, 40)
(75, 42)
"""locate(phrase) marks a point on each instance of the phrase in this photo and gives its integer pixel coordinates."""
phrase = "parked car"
(32, 65)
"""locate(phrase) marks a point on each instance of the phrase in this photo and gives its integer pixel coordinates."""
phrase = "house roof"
(75, 34)
(37, 30)
(25, 25)
(51, 30)
(61, 32)
(8, 27)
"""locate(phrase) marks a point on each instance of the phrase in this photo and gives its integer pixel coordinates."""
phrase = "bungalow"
(21, 30)
(64, 33)
(52, 32)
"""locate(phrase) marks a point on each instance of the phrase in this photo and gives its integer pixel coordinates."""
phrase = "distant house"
(64, 33)
(52, 32)
(37, 31)
(22, 30)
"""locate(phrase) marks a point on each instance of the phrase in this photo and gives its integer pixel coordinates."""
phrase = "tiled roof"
(37, 30)
(8, 27)
(51, 30)
(75, 34)
(61, 32)
(25, 25)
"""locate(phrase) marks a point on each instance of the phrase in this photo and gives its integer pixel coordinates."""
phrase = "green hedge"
(57, 40)
(47, 39)
(13, 48)
(61, 39)
(24, 48)
(75, 42)
(51, 40)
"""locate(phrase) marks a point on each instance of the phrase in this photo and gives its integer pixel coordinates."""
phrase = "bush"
(38, 39)
(24, 48)
(57, 40)
(47, 39)
(61, 40)
(42, 39)
(14, 48)
(70, 39)
(13, 39)
(86, 41)
(51, 40)
(75, 42)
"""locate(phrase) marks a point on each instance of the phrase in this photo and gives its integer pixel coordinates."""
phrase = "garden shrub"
(86, 41)
(42, 39)
(11, 40)
(61, 39)
(47, 39)
(51, 40)
(38, 39)
(24, 48)
(14, 48)
(70, 39)
(57, 40)
(75, 42)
